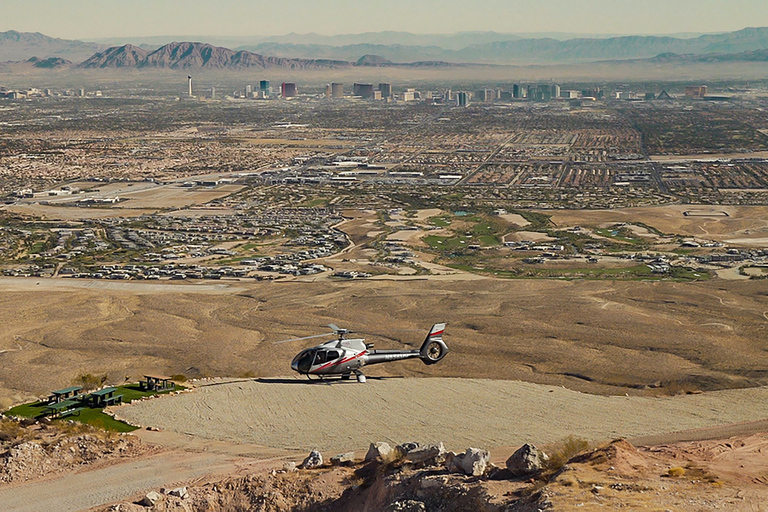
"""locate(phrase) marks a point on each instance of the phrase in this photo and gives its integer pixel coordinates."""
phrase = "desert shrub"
(11, 430)
(678, 387)
(563, 451)
(676, 472)
(179, 377)
(88, 381)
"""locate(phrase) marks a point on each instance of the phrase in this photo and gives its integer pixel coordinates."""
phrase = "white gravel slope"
(458, 412)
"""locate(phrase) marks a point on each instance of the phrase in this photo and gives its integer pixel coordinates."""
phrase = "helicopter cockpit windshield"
(303, 362)
(310, 357)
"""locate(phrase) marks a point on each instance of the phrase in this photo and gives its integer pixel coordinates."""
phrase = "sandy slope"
(459, 412)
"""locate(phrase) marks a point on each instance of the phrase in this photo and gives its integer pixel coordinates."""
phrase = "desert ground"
(591, 336)
(531, 360)
(720, 223)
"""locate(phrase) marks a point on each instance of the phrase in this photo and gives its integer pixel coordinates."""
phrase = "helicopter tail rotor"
(434, 348)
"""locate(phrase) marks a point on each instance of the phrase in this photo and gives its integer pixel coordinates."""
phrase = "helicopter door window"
(332, 355)
(320, 357)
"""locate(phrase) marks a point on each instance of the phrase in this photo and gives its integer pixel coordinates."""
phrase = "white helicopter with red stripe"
(347, 356)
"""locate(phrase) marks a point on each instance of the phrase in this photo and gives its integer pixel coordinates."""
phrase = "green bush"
(88, 381)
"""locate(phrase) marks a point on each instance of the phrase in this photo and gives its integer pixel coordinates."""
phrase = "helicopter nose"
(295, 365)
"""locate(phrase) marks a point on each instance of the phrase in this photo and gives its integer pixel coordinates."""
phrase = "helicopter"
(346, 356)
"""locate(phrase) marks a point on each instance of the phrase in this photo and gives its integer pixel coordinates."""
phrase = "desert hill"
(117, 57)
(49, 63)
(747, 56)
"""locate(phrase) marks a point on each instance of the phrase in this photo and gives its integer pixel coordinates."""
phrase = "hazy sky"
(83, 19)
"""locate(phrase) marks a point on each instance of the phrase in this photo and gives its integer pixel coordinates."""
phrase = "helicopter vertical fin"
(434, 348)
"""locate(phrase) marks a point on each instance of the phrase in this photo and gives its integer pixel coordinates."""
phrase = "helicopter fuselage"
(346, 356)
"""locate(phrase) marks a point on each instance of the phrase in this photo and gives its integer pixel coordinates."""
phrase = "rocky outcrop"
(35, 459)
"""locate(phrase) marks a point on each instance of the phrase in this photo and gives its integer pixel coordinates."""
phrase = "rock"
(150, 499)
(406, 506)
(473, 462)
(428, 455)
(343, 459)
(313, 460)
(180, 492)
(289, 467)
(527, 460)
(433, 482)
(379, 450)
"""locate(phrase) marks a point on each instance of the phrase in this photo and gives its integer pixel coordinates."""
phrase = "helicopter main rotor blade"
(334, 327)
(306, 338)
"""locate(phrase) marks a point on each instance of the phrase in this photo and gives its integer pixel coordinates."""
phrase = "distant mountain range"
(205, 56)
(312, 51)
(23, 45)
(673, 58)
(531, 51)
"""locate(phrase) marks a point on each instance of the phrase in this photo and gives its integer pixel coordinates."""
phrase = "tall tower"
(189, 82)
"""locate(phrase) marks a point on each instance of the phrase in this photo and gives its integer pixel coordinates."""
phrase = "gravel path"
(291, 414)
(92, 487)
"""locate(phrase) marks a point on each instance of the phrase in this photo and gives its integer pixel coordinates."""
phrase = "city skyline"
(89, 19)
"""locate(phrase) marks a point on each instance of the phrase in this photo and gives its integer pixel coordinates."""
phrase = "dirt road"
(85, 489)
(288, 414)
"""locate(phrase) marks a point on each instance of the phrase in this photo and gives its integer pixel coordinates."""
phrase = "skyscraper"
(386, 90)
(288, 90)
(363, 90)
(337, 90)
(462, 99)
(264, 87)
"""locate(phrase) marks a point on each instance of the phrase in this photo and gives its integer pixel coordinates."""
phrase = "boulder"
(150, 499)
(527, 460)
(378, 450)
(289, 467)
(343, 459)
(473, 462)
(313, 460)
(427, 455)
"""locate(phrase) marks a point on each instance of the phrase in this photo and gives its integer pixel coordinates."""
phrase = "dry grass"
(561, 452)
